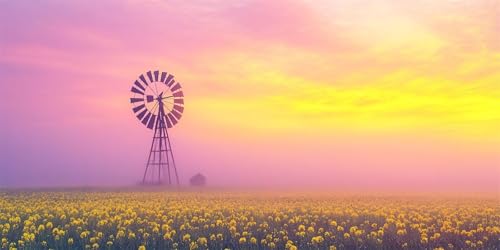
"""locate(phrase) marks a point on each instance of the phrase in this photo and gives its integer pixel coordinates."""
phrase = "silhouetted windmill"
(158, 103)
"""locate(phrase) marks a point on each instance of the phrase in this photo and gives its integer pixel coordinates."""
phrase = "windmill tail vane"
(158, 102)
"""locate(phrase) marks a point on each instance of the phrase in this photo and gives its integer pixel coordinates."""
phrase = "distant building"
(198, 180)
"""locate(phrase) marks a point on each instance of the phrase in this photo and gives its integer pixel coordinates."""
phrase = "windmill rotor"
(145, 92)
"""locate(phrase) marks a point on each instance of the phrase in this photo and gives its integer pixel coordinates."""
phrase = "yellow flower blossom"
(333, 223)
(242, 240)
(202, 241)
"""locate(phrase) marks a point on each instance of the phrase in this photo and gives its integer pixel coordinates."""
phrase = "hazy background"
(349, 95)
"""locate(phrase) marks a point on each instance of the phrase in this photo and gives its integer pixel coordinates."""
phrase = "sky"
(340, 95)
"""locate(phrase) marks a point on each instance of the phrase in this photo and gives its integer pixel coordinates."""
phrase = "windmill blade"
(179, 108)
(156, 75)
(150, 98)
(179, 101)
(150, 76)
(168, 81)
(172, 119)
(171, 83)
(151, 123)
(139, 85)
(178, 94)
(133, 100)
(175, 87)
(167, 120)
(143, 79)
(137, 91)
(146, 119)
(176, 114)
(141, 115)
(138, 108)
(163, 75)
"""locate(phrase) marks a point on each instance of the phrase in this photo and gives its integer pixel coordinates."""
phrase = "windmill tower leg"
(151, 153)
(172, 157)
(160, 151)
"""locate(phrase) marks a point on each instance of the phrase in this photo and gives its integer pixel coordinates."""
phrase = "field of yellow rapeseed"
(243, 220)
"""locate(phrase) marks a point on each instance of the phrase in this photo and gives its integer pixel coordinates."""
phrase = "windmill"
(158, 102)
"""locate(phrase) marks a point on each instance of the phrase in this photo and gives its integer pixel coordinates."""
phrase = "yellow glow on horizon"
(272, 99)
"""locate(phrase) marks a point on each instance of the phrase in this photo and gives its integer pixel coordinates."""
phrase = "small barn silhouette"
(198, 180)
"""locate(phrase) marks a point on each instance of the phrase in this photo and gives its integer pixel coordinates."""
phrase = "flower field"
(243, 220)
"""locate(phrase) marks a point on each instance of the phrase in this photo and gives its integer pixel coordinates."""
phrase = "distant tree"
(198, 180)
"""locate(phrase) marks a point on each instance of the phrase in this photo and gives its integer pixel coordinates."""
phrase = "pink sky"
(385, 95)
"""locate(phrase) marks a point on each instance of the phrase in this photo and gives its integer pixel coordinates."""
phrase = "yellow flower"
(220, 237)
(317, 239)
(120, 234)
(202, 241)
(219, 223)
(243, 240)
(193, 246)
(333, 223)
(253, 240)
(83, 235)
(346, 236)
(380, 233)
(167, 236)
(131, 235)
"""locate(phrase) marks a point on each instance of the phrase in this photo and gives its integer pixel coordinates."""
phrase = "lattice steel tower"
(158, 103)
